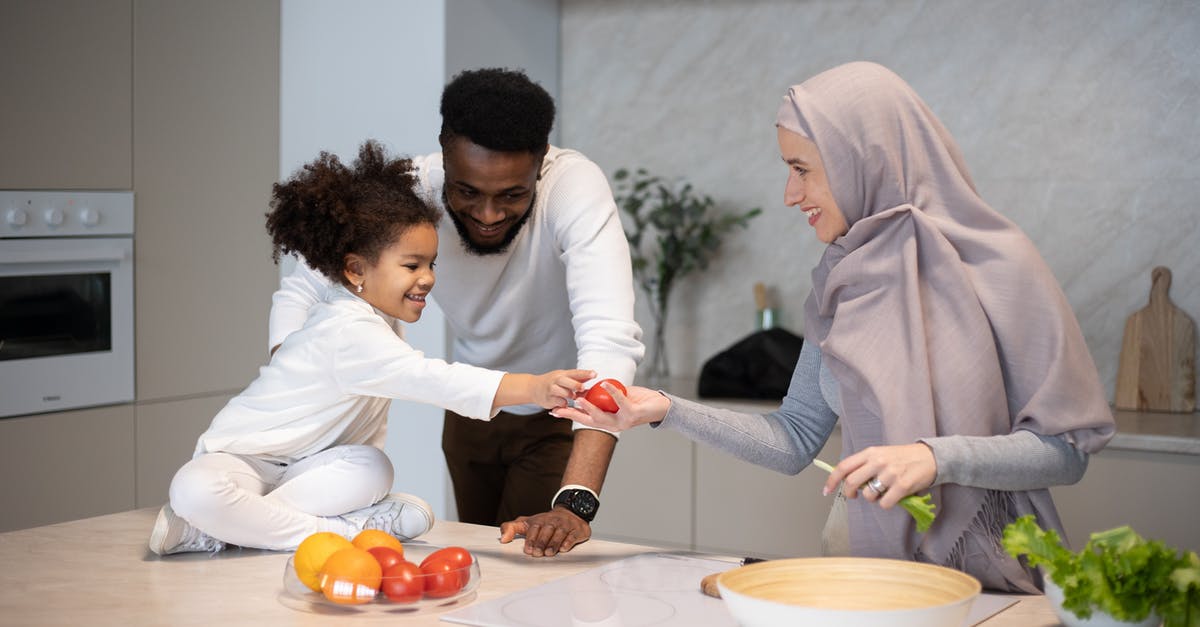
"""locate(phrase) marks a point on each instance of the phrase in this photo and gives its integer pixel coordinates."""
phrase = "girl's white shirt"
(332, 381)
(560, 296)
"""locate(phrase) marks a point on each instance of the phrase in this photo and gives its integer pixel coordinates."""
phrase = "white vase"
(1098, 619)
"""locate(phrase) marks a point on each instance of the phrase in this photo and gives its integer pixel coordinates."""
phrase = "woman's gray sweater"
(787, 439)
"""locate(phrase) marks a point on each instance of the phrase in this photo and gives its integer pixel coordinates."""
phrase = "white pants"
(249, 501)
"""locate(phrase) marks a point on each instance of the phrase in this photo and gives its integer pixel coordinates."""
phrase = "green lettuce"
(921, 508)
(1118, 572)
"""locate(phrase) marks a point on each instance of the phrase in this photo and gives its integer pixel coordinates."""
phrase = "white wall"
(375, 68)
(359, 69)
(517, 34)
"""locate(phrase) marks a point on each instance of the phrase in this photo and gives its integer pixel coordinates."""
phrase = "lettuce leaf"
(921, 508)
(1117, 572)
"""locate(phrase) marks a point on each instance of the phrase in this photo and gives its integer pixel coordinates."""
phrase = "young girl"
(300, 450)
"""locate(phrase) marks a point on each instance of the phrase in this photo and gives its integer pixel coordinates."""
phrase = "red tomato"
(402, 582)
(446, 571)
(442, 579)
(456, 556)
(600, 397)
(386, 556)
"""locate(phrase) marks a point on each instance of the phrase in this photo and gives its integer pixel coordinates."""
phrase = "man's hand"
(548, 533)
(559, 530)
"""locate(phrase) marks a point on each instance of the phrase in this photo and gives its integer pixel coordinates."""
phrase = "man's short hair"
(498, 109)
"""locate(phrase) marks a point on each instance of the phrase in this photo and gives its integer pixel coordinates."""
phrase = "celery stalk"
(921, 508)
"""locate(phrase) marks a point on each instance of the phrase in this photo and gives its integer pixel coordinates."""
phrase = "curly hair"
(326, 210)
(498, 109)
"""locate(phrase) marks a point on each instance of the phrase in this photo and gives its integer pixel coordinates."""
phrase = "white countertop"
(98, 571)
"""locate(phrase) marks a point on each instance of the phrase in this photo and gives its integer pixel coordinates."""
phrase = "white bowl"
(863, 592)
(1098, 619)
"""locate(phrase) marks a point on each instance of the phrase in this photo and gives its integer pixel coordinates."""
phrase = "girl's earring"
(359, 288)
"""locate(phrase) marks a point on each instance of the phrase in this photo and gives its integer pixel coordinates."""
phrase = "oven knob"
(54, 217)
(89, 217)
(16, 217)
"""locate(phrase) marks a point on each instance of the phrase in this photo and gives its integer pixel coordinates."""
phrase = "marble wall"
(1080, 120)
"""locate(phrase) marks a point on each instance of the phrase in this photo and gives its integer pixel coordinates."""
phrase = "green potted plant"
(1118, 578)
(672, 232)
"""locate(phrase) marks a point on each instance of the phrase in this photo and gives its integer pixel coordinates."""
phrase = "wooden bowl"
(865, 592)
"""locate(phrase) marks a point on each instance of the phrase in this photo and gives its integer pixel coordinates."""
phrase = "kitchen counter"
(98, 571)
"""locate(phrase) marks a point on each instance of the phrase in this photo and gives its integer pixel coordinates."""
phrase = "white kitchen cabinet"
(206, 153)
(66, 113)
(649, 492)
(1158, 494)
(66, 465)
(196, 138)
(664, 489)
(166, 439)
(744, 509)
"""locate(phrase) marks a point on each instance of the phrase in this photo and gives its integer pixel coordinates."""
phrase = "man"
(533, 275)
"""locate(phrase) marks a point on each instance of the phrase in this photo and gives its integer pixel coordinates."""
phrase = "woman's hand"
(558, 388)
(902, 470)
(638, 407)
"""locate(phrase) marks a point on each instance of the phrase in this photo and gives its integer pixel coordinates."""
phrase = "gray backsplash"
(1079, 120)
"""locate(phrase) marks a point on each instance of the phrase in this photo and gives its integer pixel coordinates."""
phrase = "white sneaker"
(173, 534)
(402, 515)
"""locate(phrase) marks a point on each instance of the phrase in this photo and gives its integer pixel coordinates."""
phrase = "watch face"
(581, 502)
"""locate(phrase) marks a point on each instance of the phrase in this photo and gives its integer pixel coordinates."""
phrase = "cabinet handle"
(63, 256)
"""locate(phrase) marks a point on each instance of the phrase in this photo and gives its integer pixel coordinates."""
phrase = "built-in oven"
(66, 300)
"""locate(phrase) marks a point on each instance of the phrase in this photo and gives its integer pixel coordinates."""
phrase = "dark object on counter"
(758, 366)
(708, 585)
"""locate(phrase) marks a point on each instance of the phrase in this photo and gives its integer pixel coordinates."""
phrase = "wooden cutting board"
(1157, 371)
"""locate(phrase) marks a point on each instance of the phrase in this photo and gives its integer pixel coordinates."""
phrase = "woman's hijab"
(937, 316)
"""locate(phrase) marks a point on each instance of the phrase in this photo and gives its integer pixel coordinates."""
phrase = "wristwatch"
(578, 499)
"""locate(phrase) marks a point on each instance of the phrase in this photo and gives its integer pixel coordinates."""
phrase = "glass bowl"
(300, 597)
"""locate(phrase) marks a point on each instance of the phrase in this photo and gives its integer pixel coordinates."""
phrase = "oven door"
(66, 323)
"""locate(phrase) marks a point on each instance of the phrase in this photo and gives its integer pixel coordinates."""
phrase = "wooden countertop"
(98, 571)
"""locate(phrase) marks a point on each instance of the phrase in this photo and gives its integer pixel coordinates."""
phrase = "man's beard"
(464, 236)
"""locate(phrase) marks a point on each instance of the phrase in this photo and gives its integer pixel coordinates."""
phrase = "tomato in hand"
(386, 556)
(402, 582)
(600, 397)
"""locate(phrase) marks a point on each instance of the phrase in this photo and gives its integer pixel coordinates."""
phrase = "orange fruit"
(370, 538)
(311, 555)
(351, 576)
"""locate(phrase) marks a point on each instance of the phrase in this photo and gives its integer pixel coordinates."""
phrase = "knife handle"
(708, 585)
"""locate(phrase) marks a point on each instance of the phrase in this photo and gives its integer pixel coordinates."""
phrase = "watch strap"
(579, 500)
(572, 486)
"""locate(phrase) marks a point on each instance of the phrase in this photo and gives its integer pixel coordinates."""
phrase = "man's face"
(488, 194)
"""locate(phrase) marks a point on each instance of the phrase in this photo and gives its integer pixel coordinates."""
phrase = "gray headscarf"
(937, 316)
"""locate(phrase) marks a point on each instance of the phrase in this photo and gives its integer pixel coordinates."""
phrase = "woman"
(934, 330)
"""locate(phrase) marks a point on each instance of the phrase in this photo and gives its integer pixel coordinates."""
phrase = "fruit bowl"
(300, 597)
(865, 592)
